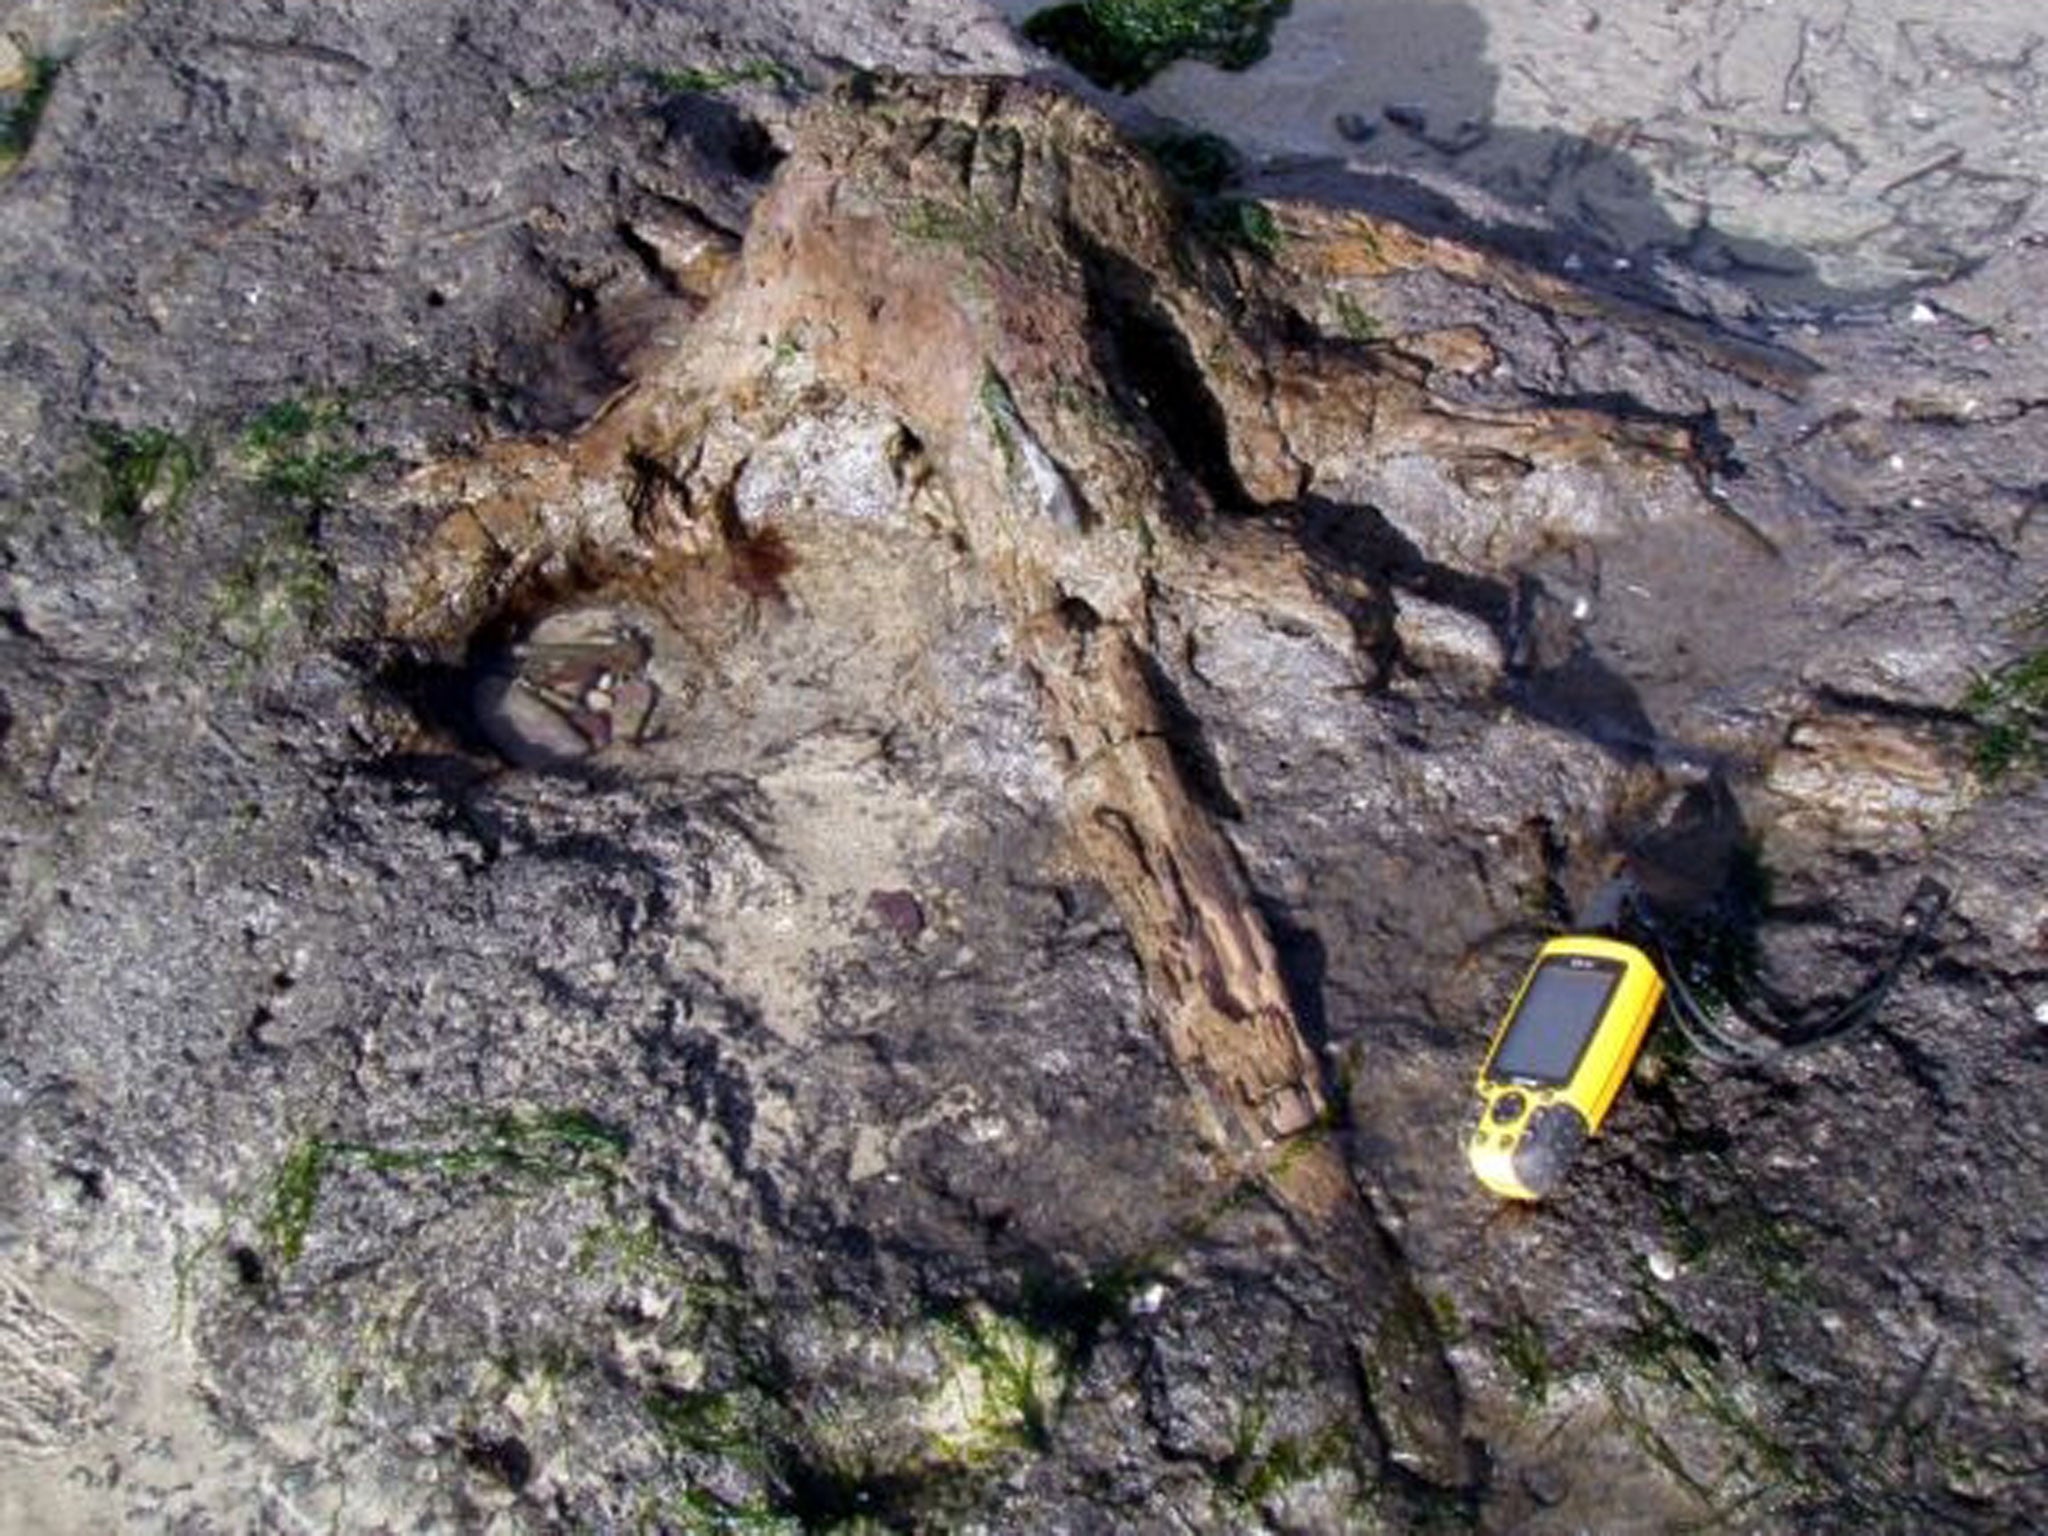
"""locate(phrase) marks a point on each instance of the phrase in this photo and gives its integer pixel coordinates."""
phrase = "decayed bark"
(1210, 965)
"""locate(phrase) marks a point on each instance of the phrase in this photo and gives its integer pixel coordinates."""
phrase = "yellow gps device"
(1558, 1059)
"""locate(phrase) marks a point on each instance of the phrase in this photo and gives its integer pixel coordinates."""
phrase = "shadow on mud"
(1684, 872)
(1551, 673)
(1419, 96)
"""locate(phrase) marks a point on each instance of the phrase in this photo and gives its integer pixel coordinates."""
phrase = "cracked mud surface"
(1132, 682)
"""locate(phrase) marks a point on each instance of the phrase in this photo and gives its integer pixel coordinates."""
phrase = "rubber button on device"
(1507, 1107)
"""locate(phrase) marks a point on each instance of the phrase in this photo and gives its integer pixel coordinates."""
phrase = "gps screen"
(1558, 1014)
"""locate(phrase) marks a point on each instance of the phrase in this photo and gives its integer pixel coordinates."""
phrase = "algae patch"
(2009, 708)
(1123, 43)
(1002, 1386)
(513, 1148)
(144, 474)
(21, 107)
(293, 450)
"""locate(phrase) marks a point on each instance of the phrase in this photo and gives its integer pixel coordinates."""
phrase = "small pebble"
(1546, 1485)
(1355, 127)
(1923, 313)
(1663, 1267)
(1149, 1300)
(2041, 1013)
(900, 911)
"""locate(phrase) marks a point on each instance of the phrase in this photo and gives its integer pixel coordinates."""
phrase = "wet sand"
(1822, 152)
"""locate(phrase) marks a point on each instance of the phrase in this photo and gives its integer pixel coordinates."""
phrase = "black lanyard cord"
(1773, 1039)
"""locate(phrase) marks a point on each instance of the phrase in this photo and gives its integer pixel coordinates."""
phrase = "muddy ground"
(767, 1123)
